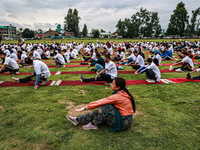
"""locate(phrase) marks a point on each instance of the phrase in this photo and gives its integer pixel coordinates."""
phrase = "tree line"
(141, 24)
(144, 24)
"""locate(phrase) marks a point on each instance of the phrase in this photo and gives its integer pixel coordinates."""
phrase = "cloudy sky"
(97, 14)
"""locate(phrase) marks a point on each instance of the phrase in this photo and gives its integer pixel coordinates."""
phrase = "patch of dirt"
(1, 107)
(72, 109)
(137, 113)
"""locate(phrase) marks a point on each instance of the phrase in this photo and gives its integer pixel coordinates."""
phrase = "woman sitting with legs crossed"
(116, 110)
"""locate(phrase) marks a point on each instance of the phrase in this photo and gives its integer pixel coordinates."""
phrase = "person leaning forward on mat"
(107, 74)
(115, 111)
(41, 73)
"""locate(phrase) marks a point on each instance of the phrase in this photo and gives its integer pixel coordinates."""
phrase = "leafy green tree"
(71, 22)
(95, 33)
(142, 23)
(27, 33)
(194, 26)
(85, 30)
(178, 21)
(103, 31)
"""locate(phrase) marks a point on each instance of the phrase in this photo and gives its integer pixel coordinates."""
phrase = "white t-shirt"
(72, 54)
(13, 56)
(122, 55)
(111, 69)
(140, 60)
(110, 51)
(23, 56)
(40, 51)
(155, 70)
(41, 68)
(157, 56)
(189, 60)
(60, 58)
(48, 54)
(36, 55)
(132, 56)
(11, 62)
(7, 52)
(66, 55)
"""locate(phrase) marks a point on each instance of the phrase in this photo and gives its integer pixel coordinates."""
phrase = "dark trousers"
(103, 77)
(43, 56)
(197, 57)
(9, 69)
(58, 63)
(150, 74)
(107, 116)
(196, 78)
(155, 61)
(185, 66)
(86, 58)
(136, 67)
(31, 78)
(23, 64)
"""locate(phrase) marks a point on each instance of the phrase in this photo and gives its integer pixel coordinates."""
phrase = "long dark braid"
(120, 82)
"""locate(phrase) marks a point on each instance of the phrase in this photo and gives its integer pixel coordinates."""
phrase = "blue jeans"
(130, 60)
(99, 67)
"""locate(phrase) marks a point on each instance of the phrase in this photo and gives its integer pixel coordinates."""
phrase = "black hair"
(54, 53)
(185, 53)
(3, 54)
(135, 52)
(120, 82)
(98, 55)
(149, 60)
(64, 50)
(20, 52)
(107, 56)
(28, 60)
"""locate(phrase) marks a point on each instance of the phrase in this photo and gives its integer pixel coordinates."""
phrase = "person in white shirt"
(22, 58)
(35, 54)
(7, 52)
(187, 64)
(58, 59)
(152, 71)
(92, 57)
(130, 58)
(72, 54)
(107, 74)
(46, 54)
(66, 56)
(10, 65)
(197, 54)
(13, 55)
(41, 72)
(194, 78)
(157, 58)
(119, 55)
(138, 63)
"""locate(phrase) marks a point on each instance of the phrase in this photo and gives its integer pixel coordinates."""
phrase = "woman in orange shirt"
(115, 110)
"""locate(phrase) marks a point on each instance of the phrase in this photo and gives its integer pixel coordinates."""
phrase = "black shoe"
(188, 76)
(81, 78)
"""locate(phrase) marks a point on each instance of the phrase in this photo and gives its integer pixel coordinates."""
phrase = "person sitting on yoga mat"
(99, 63)
(156, 58)
(9, 64)
(116, 110)
(167, 54)
(187, 64)
(58, 59)
(138, 63)
(194, 78)
(152, 71)
(107, 74)
(41, 73)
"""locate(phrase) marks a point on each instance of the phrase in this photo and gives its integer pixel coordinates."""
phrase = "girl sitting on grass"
(116, 110)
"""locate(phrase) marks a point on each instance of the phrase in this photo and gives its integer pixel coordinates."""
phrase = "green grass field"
(167, 115)
(87, 40)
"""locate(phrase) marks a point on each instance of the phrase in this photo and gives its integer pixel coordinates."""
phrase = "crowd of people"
(117, 109)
